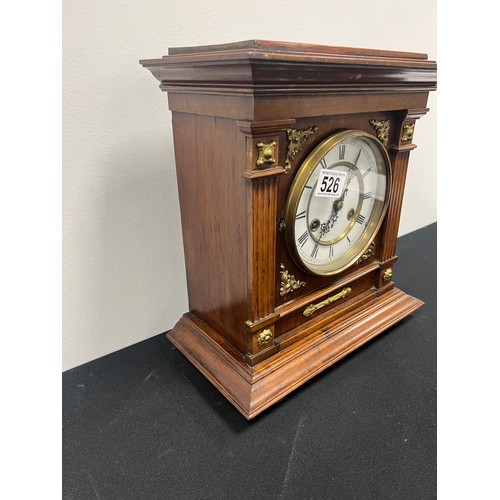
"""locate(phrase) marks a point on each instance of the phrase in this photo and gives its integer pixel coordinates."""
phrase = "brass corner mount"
(288, 283)
(382, 128)
(296, 140)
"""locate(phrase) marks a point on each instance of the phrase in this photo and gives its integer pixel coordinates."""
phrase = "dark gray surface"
(143, 423)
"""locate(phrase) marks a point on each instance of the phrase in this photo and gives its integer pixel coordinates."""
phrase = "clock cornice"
(264, 68)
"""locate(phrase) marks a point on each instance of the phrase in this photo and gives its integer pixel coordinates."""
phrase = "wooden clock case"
(245, 116)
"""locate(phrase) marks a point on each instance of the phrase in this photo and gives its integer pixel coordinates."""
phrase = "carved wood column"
(265, 142)
(399, 153)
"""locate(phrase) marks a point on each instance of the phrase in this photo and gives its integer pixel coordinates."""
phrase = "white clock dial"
(337, 202)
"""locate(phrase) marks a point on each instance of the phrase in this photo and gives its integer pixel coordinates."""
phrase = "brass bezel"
(298, 185)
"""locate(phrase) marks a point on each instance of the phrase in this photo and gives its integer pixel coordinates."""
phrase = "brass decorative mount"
(382, 128)
(266, 153)
(408, 131)
(288, 283)
(314, 307)
(369, 252)
(265, 336)
(296, 140)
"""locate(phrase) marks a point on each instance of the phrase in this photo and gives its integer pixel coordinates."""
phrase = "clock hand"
(350, 175)
(337, 205)
(326, 226)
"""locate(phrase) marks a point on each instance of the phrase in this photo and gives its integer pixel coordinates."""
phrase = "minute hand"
(351, 173)
(350, 176)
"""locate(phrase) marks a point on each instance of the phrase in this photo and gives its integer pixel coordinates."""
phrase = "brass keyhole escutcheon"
(266, 153)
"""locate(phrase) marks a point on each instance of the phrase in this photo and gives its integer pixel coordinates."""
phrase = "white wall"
(123, 266)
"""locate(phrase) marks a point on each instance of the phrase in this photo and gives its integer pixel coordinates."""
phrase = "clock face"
(337, 202)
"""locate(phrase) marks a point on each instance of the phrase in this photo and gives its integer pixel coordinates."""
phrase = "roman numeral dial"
(337, 202)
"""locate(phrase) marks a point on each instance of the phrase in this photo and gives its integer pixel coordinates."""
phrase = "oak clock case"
(291, 163)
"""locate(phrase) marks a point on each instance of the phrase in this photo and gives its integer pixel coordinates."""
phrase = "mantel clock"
(291, 163)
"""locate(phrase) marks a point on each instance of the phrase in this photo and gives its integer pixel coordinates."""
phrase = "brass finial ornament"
(296, 140)
(288, 283)
(382, 128)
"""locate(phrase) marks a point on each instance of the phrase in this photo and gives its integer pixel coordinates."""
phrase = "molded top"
(290, 47)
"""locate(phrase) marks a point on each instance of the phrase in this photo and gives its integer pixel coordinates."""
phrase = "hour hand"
(326, 226)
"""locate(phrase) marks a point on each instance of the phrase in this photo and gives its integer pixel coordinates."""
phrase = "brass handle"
(314, 307)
